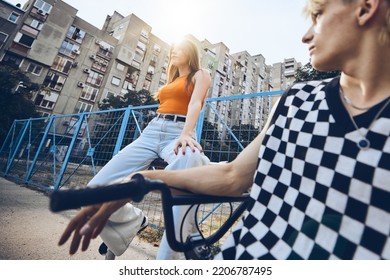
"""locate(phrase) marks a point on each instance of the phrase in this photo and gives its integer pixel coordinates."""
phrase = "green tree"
(15, 93)
(308, 73)
(132, 97)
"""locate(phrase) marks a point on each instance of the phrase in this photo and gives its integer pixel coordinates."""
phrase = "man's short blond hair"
(313, 6)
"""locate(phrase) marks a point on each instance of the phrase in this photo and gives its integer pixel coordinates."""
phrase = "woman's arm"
(202, 81)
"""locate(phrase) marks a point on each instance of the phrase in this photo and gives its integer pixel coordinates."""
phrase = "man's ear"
(366, 10)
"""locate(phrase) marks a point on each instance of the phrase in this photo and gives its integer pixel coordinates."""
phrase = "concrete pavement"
(30, 231)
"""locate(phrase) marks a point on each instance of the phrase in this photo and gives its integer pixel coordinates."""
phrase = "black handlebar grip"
(72, 199)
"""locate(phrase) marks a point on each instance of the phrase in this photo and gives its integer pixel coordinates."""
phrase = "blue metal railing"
(67, 151)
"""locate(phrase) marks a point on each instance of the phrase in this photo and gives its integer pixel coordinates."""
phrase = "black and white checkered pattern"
(316, 195)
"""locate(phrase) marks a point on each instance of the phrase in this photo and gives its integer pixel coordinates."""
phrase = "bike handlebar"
(135, 189)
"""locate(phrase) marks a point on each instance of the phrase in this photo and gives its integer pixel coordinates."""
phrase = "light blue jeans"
(156, 140)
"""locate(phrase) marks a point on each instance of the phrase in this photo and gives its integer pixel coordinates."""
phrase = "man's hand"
(88, 224)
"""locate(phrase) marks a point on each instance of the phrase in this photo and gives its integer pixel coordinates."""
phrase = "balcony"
(19, 49)
(28, 30)
(39, 14)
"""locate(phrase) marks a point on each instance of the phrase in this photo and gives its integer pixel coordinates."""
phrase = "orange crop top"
(174, 98)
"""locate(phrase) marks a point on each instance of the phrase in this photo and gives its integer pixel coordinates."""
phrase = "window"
(42, 5)
(35, 69)
(94, 78)
(13, 17)
(127, 86)
(147, 84)
(156, 48)
(24, 39)
(150, 70)
(144, 36)
(163, 79)
(132, 79)
(62, 64)
(100, 64)
(12, 60)
(36, 24)
(153, 60)
(120, 66)
(144, 33)
(3, 38)
(82, 107)
(139, 55)
(141, 46)
(54, 81)
(38, 99)
(76, 34)
(45, 100)
(143, 40)
(115, 81)
(105, 49)
(109, 94)
(74, 123)
(136, 64)
(68, 48)
(43, 114)
(47, 104)
(89, 93)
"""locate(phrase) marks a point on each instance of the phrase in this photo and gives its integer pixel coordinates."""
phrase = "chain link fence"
(67, 151)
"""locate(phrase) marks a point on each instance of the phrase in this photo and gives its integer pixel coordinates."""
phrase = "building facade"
(78, 64)
(284, 73)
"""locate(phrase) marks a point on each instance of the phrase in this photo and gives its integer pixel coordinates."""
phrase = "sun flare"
(179, 18)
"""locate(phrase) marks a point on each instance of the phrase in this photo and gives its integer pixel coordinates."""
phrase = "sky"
(273, 28)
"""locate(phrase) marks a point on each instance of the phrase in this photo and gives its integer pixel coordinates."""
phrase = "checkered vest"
(315, 194)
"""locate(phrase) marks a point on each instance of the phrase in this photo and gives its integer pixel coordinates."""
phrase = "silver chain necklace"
(349, 102)
(364, 143)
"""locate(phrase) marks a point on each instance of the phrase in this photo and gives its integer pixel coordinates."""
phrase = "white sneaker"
(118, 236)
(109, 256)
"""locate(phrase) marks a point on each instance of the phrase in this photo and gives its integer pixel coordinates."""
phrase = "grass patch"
(151, 235)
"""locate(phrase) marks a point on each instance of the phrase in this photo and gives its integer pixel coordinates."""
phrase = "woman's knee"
(188, 160)
(191, 158)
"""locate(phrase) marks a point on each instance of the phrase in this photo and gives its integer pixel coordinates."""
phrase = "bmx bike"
(195, 246)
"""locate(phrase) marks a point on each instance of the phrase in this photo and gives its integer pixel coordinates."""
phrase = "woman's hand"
(88, 224)
(184, 141)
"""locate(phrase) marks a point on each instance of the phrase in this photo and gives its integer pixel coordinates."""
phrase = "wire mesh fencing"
(67, 151)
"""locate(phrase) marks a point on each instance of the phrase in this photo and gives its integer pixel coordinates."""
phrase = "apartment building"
(252, 76)
(78, 64)
(11, 19)
(220, 63)
(284, 73)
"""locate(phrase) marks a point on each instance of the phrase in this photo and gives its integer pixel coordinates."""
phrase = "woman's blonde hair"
(313, 6)
(192, 52)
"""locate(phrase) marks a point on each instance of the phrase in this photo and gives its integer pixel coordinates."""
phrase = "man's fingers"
(98, 230)
(68, 231)
(97, 224)
(86, 242)
(64, 238)
(74, 246)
